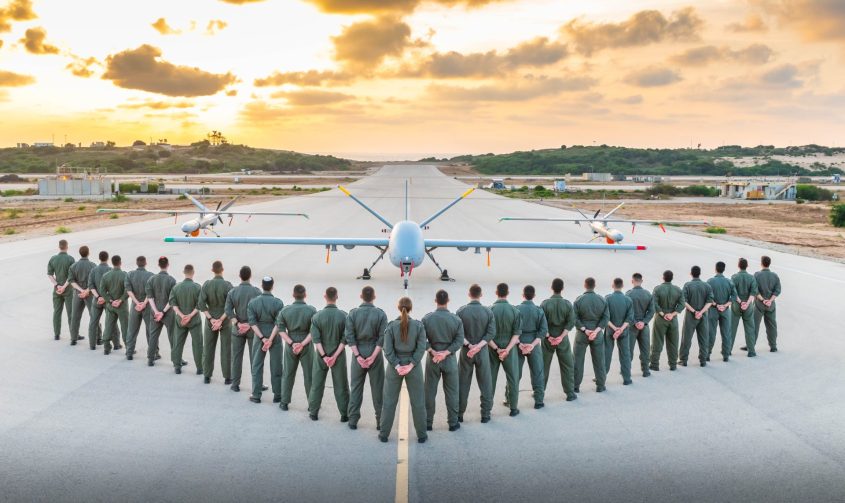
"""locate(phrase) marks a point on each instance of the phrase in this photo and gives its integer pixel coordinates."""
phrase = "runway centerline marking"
(402, 458)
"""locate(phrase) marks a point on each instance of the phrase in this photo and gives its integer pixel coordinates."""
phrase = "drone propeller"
(217, 211)
(597, 213)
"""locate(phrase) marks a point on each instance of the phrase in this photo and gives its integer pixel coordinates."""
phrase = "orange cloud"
(11, 79)
(643, 28)
(162, 27)
(366, 44)
(214, 26)
(16, 10)
(306, 78)
(33, 40)
(142, 69)
(753, 23)
(814, 20)
(653, 77)
(755, 54)
(157, 105)
(383, 6)
(312, 97)
(81, 67)
(524, 90)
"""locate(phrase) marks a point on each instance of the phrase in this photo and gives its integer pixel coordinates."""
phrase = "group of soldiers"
(475, 339)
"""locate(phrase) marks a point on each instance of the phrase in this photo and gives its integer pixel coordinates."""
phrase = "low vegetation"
(9, 232)
(715, 230)
(813, 193)
(837, 215)
(62, 230)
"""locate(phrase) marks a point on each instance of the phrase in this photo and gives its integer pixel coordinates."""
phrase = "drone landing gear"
(444, 274)
(366, 276)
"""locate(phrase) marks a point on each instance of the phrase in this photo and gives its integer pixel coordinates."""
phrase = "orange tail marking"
(195, 233)
(610, 241)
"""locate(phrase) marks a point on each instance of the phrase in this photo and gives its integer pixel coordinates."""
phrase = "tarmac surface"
(76, 425)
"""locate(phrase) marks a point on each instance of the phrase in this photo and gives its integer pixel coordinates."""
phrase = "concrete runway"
(76, 425)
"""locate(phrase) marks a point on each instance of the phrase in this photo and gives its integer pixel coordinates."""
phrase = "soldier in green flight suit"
(136, 289)
(743, 307)
(237, 301)
(698, 297)
(58, 268)
(112, 288)
(638, 332)
(212, 304)
(620, 311)
(327, 331)
(591, 318)
(262, 312)
(560, 315)
(502, 354)
(724, 295)
(479, 329)
(158, 290)
(404, 348)
(768, 289)
(98, 303)
(78, 277)
(445, 334)
(294, 323)
(668, 303)
(535, 328)
(364, 332)
(184, 298)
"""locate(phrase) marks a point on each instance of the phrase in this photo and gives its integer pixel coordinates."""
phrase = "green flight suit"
(327, 329)
(534, 328)
(213, 299)
(59, 266)
(479, 325)
(445, 332)
(158, 289)
(746, 287)
(399, 352)
(508, 325)
(620, 310)
(95, 332)
(136, 283)
(112, 288)
(237, 301)
(723, 292)
(295, 319)
(643, 302)
(668, 298)
(78, 273)
(590, 313)
(365, 326)
(768, 284)
(262, 312)
(697, 294)
(560, 316)
(186, 296)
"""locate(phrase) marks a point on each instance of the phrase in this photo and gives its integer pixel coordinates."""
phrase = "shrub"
(13, 213)
(62, 230)
(114, 216)
(9, 232)
(119, 198)
(715, 230)
(837, 215)
(68, 199)
(812, 193)
(80, 208)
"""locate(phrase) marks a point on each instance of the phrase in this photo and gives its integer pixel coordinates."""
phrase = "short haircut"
(475, 291)
(637, 276)
(368, 294)
(441, 297)
(331, 293)
(720, 267)
(115, 261)
(189, 269)
(141, 261)
(298, 292)
(502, 290)
(267, 283)
(104, 256)
(217, 267)
(668, 276)
(695, 271)
(766, 261)
(63, 244)
(83, 251)
(163, 262)
(590, 283)
(557, 285)
(743, 264)
(618, 283)
(245, 273)
(528, 292)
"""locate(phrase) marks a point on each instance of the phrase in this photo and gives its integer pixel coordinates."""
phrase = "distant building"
(597, 177)
(23, 145)
(498, 184)
(758, 190)
(647, 179)
(70, 181)
(560, 185)
(42, 144)
(98, 144)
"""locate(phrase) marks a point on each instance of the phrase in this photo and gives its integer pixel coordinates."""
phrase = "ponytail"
(405, 306)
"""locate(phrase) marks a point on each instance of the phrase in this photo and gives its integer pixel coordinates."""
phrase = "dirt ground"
(21, 219)
(802, 227)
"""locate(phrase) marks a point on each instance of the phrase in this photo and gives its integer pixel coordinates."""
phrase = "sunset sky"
(424, 76)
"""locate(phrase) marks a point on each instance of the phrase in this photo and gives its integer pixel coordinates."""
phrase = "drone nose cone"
(618, 237)
(189, 227)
